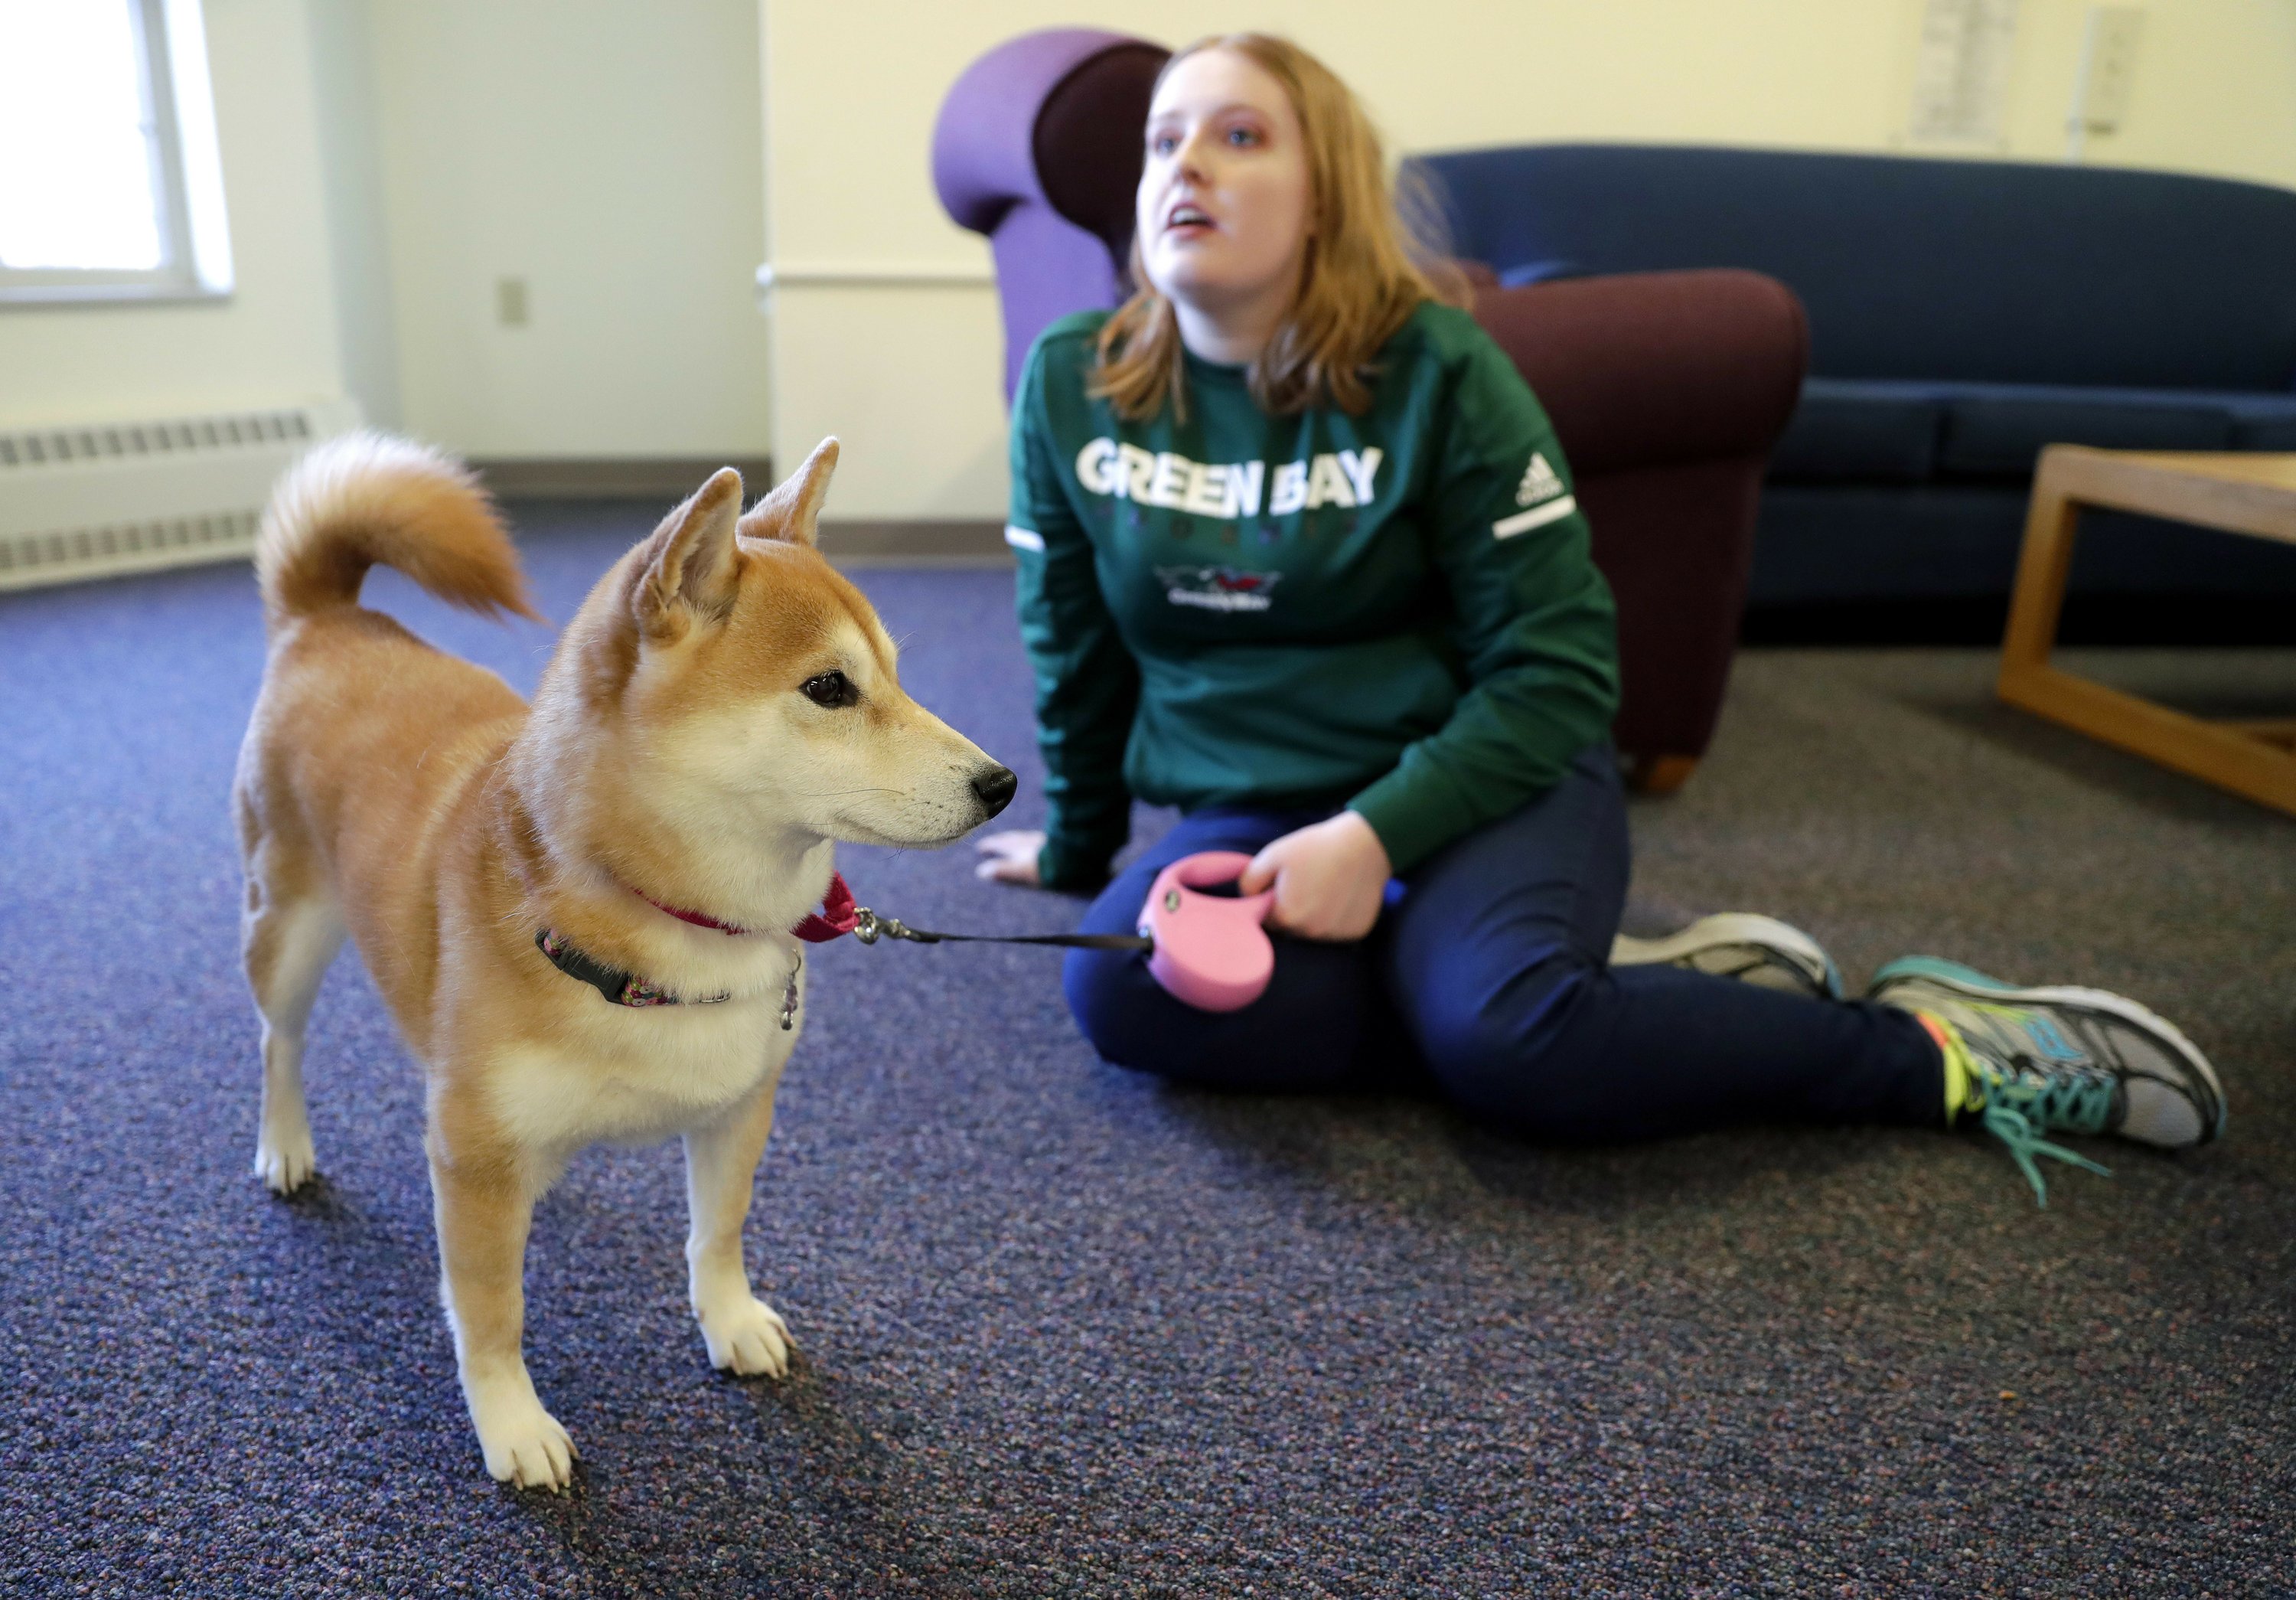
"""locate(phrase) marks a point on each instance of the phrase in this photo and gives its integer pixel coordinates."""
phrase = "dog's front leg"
(744, 1332)
(483, 1216)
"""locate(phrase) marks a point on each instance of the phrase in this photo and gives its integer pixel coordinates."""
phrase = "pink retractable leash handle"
(1212, 951)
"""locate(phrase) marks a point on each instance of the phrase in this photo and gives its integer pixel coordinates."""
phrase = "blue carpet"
(1064, 1332)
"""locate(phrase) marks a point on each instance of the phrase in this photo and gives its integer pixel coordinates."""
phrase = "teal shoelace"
(2018, 1110)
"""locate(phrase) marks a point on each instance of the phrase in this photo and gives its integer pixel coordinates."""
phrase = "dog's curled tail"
(368, 499)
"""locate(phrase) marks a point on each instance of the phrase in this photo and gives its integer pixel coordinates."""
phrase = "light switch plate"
(2108, 64)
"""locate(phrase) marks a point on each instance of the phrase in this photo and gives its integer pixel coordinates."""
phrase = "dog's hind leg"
(290, 931)
(744, 1334)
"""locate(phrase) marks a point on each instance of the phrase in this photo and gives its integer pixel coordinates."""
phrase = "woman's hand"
(1330, 878)
(1011, 857)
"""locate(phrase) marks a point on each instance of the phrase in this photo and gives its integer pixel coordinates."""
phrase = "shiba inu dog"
(583, 914)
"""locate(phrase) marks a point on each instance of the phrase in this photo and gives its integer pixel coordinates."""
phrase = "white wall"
(273, 341)
(909, 376)
(608, 152)
(351, 153)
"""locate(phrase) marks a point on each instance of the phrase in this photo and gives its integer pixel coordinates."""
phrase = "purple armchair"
(1038, 147)
(1667, 389)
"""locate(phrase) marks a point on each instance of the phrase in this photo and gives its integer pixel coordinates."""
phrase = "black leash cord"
(868, 927)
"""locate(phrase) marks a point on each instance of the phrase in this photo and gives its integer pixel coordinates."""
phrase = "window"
(110, 186)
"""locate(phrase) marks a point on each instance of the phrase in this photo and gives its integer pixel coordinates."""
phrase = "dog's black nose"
(994, 786)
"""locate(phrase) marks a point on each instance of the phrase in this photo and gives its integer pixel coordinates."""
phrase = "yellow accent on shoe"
(1961, 1090)
(1972, 1086)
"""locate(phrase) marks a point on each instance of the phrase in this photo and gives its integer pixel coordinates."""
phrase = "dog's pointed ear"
(691, 570)
(791, 511)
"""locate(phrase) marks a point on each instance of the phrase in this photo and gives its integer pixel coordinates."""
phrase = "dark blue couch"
(1963, 313)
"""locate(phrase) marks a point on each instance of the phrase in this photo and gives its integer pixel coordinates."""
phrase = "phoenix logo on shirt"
(1217, 588)
(1159, 477)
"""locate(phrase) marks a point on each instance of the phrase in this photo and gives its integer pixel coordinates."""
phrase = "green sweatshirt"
(1396, 612)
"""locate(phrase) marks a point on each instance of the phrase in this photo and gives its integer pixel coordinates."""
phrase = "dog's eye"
(832, 689)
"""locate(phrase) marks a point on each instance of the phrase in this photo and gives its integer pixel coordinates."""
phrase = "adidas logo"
(1539, 482)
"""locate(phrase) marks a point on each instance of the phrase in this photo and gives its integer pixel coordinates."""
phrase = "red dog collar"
(834, 920)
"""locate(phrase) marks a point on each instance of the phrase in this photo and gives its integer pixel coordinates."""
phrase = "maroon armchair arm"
(1666, 390)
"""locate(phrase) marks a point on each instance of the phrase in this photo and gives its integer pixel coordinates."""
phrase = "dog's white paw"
(747, 1337)
(285, 1158)
(524, 1444)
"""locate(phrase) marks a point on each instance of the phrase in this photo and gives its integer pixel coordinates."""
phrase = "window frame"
(188, 180)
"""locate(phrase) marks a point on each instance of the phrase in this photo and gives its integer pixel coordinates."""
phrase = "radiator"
(87, 499)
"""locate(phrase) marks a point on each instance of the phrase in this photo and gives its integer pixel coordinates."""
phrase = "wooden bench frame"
(2246, 493)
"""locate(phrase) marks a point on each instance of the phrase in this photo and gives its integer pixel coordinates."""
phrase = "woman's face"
(1224, 209)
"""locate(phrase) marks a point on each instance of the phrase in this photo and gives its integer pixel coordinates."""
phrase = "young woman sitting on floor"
(1299, 554)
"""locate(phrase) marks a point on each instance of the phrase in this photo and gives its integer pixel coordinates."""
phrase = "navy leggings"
(1489, 971)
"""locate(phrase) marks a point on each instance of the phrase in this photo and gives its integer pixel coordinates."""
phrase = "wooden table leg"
(2278, 731)
(2255, 758)
(2045, 563)
(1659, 775)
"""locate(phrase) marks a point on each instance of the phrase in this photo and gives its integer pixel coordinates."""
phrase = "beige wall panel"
(607, 153)
(907, 381)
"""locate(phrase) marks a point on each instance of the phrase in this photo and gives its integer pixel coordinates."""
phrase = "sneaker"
(1760, 950)
(2035, 1060)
